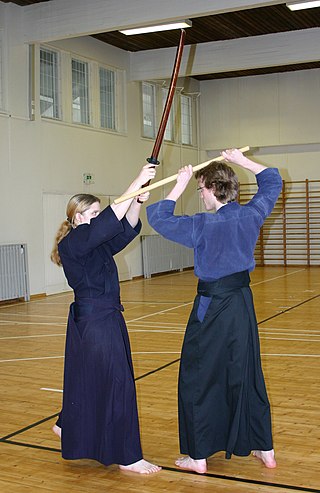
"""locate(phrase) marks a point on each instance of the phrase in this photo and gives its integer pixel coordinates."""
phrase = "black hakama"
(99, 417)
(223, 403)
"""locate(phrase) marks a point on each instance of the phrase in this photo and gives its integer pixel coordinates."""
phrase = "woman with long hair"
(99, 418)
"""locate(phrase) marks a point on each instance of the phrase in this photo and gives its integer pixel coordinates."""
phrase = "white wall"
(47, 157)
(277, 115)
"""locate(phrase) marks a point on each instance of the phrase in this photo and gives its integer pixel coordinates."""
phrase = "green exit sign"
(88, 178)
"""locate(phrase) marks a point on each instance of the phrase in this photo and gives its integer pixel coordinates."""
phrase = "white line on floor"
(277, 277)
(29, 359)
(168, 352)
(51, 390)
(28, 337)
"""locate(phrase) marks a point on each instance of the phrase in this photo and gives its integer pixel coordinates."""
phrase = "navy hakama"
(99, 418)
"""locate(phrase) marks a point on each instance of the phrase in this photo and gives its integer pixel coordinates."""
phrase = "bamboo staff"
(170, 178)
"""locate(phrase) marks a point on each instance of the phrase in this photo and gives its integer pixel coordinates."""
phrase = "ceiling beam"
(270, 50)
(60, 19)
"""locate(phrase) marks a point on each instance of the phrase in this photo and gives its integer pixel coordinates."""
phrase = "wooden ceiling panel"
(221, 27)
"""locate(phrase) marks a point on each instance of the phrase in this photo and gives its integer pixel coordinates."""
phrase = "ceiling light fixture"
(303, 5)
(160, 27)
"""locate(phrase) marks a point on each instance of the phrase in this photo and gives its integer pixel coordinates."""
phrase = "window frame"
(153, 112)
(186, 124)
(88, 89)
(115, 83)
(56, 97)
(1, 71)
(169, 131)
(181, 127)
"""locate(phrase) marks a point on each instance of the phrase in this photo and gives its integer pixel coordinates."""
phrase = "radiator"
(14, 277)
(161, 255)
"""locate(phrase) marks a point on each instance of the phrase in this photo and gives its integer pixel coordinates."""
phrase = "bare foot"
(141, 466)
(57, 430)
(197, 465)
(266, 456)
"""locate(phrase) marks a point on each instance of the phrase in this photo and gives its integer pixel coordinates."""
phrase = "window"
(80, 92)
(186, 119)
(107, 98)
(181, 124)
(148, 109)
(168, 134)
(75, 89)
(1, 71)
(49, 84)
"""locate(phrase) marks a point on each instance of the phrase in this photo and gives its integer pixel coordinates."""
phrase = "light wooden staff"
(170, 178)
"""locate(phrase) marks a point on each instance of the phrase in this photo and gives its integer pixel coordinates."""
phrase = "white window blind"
(149, 109)
(107, 98)
(49, 84)
(168, 134)
(186, 119)
(80, 92)
(1, 71)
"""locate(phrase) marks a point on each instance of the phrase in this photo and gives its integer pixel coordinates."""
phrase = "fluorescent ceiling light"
(303, 5)
(159, 27)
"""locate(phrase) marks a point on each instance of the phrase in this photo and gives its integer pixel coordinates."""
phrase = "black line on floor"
(244, 480)
(30, 445)
(289, 309)
(173, 469)
(157, 369)
(33, 425)
(29, 427)
(5, 439)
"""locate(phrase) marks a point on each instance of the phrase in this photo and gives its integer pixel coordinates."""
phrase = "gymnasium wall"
(277, 115)
(45, 158)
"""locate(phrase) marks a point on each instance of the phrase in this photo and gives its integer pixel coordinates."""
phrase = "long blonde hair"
(78, 203)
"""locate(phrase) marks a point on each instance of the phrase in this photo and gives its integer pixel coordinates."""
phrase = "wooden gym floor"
(156, 310)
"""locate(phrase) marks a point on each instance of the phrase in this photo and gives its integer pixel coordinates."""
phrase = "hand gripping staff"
(170, 178)
(153, 159)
